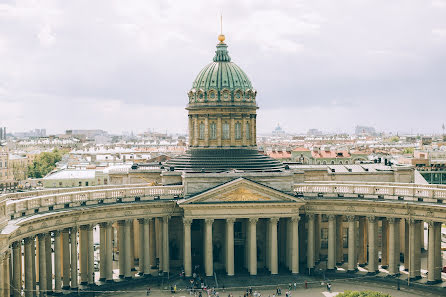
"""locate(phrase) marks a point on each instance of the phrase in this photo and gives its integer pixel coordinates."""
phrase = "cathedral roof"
(222, 80)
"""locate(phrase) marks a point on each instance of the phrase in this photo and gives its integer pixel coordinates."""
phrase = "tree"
(362, 294)
(44, 163)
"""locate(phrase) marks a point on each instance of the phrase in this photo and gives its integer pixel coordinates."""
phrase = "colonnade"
(64, 259)
(272, 263)
(363, 245)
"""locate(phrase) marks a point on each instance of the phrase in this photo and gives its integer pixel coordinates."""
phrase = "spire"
(221, 54)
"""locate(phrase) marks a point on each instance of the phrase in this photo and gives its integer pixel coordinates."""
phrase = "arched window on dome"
(201, 134)
(248, 131)
(213, 131)
(225, 134)
(238, 131)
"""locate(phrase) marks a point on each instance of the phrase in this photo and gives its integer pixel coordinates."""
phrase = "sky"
(128, 65)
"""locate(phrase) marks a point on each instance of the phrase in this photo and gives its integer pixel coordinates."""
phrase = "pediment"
(238, 191)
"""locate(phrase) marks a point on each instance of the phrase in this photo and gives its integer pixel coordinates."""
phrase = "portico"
(245, 215)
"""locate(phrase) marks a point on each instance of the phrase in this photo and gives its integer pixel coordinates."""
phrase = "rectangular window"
(201, 134)
(248, 131)
(213, 131)
(238, 131)
(225, 131)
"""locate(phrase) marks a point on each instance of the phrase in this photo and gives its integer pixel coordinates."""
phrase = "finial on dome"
(221, 37)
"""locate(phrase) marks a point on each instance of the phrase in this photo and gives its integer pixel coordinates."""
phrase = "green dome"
(221, 80)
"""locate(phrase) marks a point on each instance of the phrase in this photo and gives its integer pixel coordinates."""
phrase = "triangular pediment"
(240, 190)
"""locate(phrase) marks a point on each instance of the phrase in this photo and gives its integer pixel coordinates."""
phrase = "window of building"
(60, 184)
(80, 184)
(332, 162)
(238, 130)
(201, 134)
(225, 131)
(86, 184)
(213, 131)
(248, 131)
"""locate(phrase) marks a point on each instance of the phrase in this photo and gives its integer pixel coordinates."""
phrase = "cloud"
(118, 58)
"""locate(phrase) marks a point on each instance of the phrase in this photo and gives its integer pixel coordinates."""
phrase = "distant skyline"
(127, 65)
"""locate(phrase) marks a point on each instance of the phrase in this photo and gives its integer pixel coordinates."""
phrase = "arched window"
(213, 131)
(346, 162)
(225, 131)
(332, 162)
(238, 130)
(201, 135)
(248, 131)
(340, 162)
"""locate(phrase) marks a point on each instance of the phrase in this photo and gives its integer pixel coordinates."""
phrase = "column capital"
(331, 217)
(27, 240)
(105, 224)
(310, 216)
(253, 220)
(187, 221)
(371, 219)
(166, 218)
(392, 220)
(86, 227)
(209, 221)
(73, 229)
(16, 244)
(230, 220)
(274, 220)
(121, 222)
(56, 232)
(41, 236)
(431, 223)
(295, 219)
(351, 218)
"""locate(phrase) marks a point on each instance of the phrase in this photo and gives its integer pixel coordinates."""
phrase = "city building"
(223, 206)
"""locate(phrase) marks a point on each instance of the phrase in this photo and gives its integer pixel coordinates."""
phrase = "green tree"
(45, 163)
(408, 150)
(362, 294)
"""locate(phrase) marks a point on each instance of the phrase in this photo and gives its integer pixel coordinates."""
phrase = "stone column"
(406, 245)
(42, 264)
(331, 262)
(196, 135)
(102, 248)
(57, 262)
(5, 274)
(152, 251)
(384, 242)
(187, 257)
(232, 131)
(132, 246)
(191, 130)
(295, 244)
(431, 254)
(49, 263)
(141, 246)
(414, 249)
(310, 242)
(339, 240)
(438, 258)
(121, 247)
(66, 258)
(373, 253)
(127, 254)
(73, 237)
(206, 130)
(29, 254)
(83, 254)
(16, 268)
(230, 246)
(317, 237)
(108, 252)
(393, 261)
(208, 253)
(253, 134)
(34, 266)
(253, 246)
(219, 131)
(166, 251)
(351, 243)
(244, 139)
(274, 263)
(362, 257)
(146, 250)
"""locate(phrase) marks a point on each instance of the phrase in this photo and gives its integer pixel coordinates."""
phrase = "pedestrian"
(306, 284)
(295, 285)
(148, 292)
(329, 287)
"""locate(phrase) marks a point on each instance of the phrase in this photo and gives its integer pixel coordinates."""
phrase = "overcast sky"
(127, 65)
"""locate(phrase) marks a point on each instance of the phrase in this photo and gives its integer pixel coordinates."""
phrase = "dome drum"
(224, 95)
